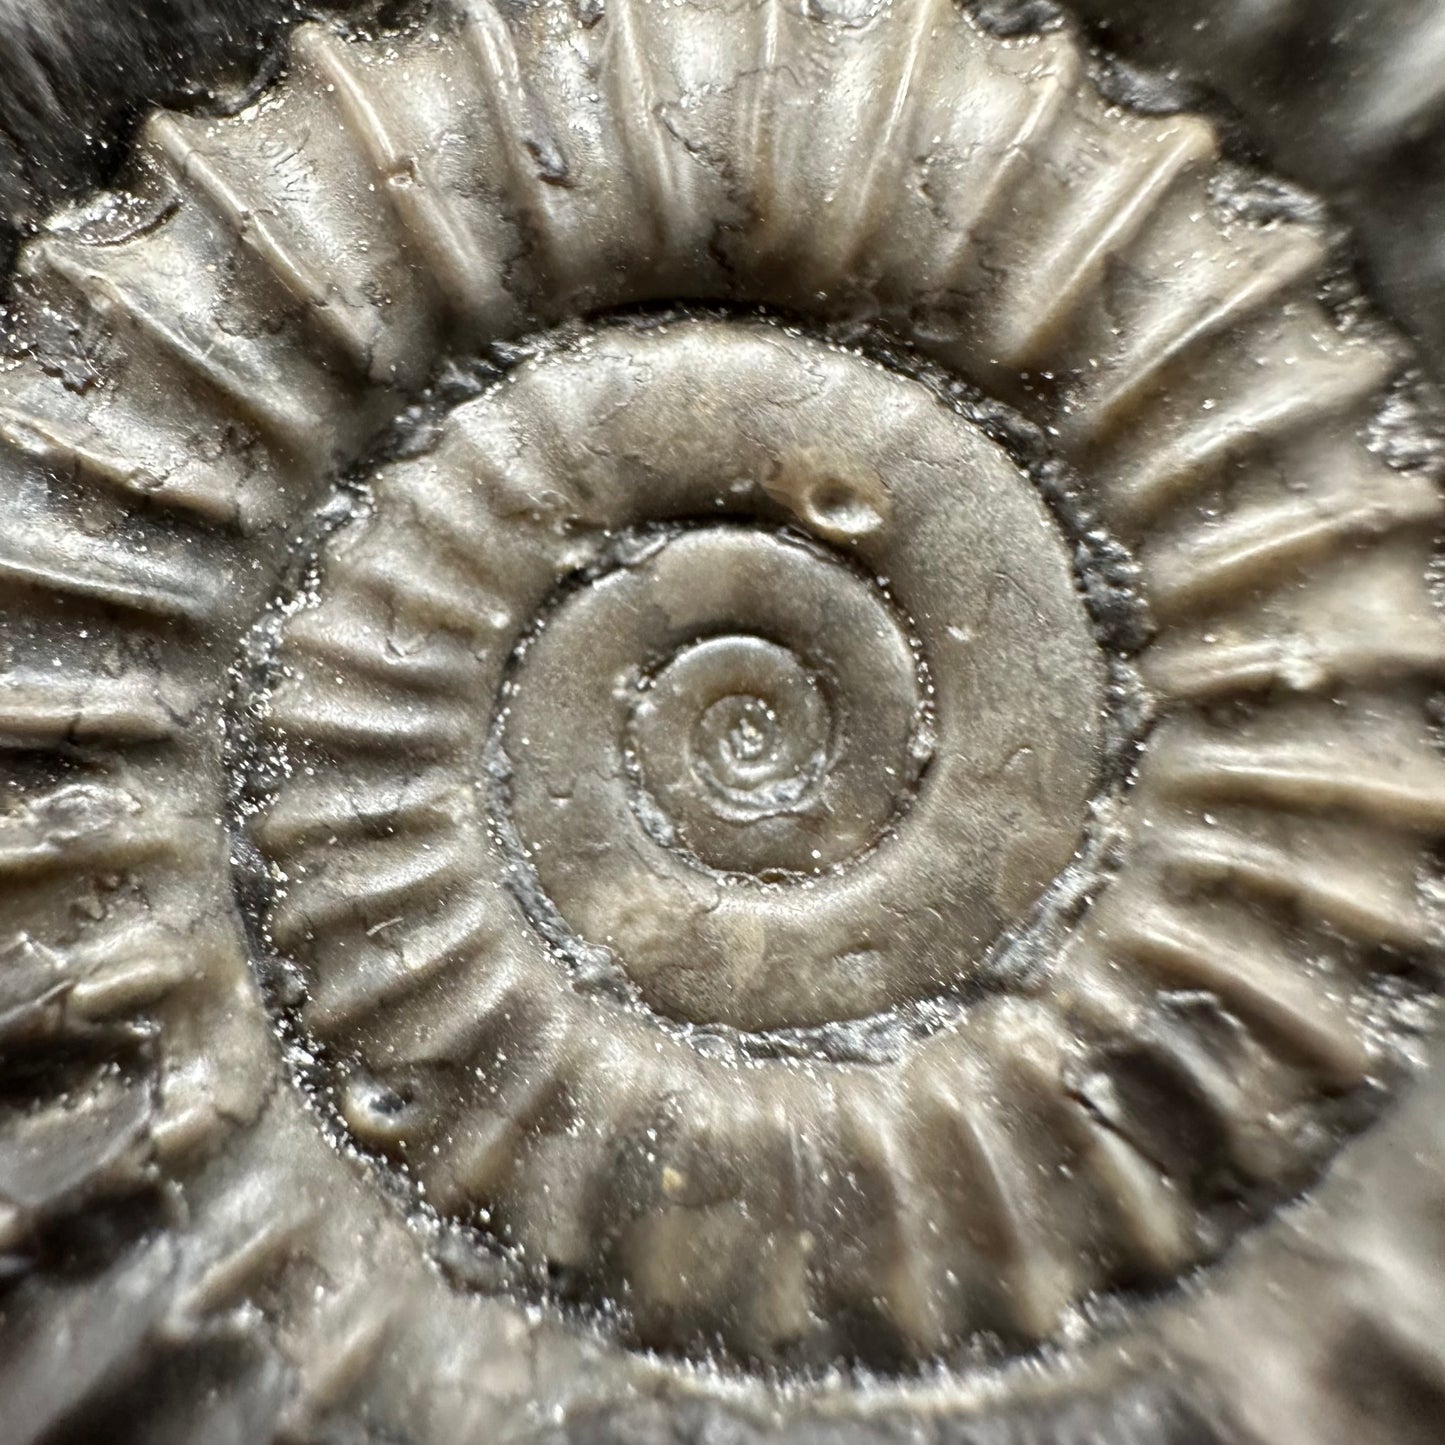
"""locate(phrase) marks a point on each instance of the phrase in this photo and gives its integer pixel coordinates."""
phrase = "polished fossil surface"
(723, 720)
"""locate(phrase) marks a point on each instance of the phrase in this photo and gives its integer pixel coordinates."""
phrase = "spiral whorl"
(699, 756)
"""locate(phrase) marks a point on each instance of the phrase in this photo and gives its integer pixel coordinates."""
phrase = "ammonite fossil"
(720, 717)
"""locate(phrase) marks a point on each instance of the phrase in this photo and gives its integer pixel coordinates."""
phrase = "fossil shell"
(761, 669)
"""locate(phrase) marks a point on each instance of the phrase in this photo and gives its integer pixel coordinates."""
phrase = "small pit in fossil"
(830, 496)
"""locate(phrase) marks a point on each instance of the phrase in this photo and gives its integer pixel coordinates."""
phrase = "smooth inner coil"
(785, 726)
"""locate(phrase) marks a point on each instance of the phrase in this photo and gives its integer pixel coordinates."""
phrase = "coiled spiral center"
(782, 729)
(758, 743)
